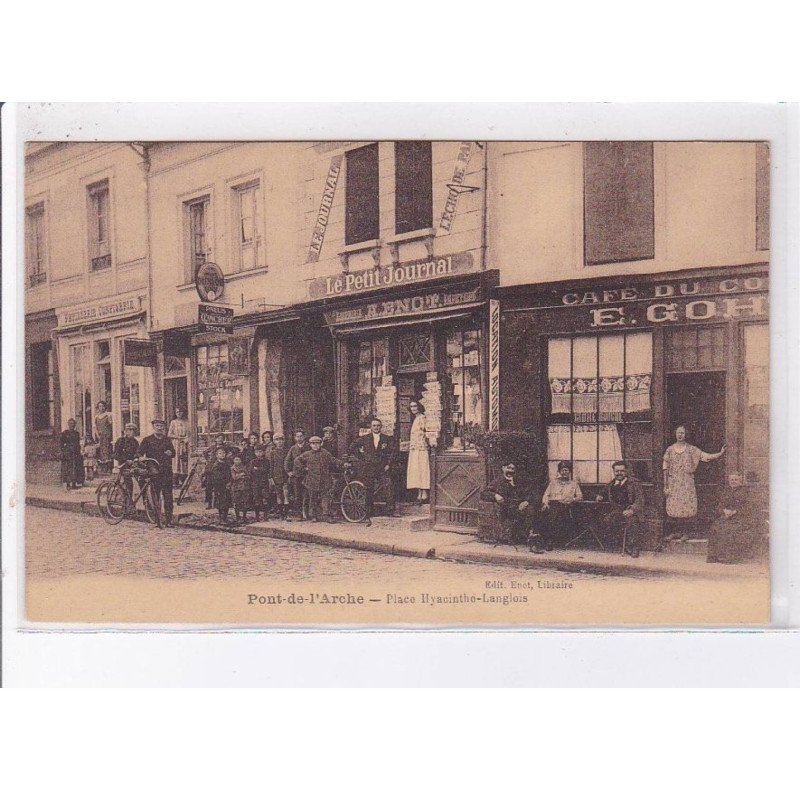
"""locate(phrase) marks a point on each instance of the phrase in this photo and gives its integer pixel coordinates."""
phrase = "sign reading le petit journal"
(366, 280)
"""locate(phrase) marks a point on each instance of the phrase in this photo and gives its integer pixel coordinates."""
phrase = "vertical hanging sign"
(494, 365)
(460, 171)
(321, 224)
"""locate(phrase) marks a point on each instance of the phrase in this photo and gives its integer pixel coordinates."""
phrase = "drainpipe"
(484, 212)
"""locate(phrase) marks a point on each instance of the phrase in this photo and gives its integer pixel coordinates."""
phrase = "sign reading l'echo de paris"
(394, 276)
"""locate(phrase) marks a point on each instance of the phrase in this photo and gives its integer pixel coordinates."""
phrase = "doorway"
(176, 395)
(697, 400)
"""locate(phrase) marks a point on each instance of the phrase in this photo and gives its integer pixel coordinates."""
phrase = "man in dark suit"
(157, 446)
(375, 453)
(627, 505)
(514, 496)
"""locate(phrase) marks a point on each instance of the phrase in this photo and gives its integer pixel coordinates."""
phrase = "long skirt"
(418, 475)
(72, 468)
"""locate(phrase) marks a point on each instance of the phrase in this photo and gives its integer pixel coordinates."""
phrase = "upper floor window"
(362, 223)
(99, 225)
(35, 242)
(198, 225)
(248, 224)
(413, 186)
(618, 202)
(762, 196)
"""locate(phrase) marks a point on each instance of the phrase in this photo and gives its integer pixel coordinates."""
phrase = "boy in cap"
(313, 467)
(260, 474)
(277, 457)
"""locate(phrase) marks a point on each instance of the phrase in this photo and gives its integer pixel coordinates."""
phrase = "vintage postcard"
(397, 383)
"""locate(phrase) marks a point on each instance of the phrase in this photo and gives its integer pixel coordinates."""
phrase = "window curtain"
(595, 378)
(593, 447)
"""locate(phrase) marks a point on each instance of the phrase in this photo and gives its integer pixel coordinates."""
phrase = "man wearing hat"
(157, 446)
(125, 449)
(313, 467)
(514, 496)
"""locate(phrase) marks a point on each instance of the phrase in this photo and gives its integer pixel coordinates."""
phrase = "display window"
(222, 402)
(599, 405)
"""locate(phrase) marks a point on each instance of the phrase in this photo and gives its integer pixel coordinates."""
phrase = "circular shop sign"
(210, 282)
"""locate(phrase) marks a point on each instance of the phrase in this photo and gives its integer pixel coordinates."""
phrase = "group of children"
(251, 477)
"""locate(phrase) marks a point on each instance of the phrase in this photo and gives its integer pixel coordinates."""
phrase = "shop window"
(599, 405)
(618, 202)
(248, 225)
(221, 397)
(361, 195)
(413, 186)
(80, 367)
(198, 219)
(103, 384)
(762, 196)
(99, 226)
(42, 387)
(755, 456)
(35, 241)
(130, 399)
(695, 349)
(464, 382)
(371, 365)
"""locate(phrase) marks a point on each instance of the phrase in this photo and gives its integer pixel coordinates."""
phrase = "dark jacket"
(220, 476)
(633, 497)
(159, 449)
(260, 472)
(125, 449)
(276, 458)
(294, 451)
(332, 446)
(371, 460)
(314, 469)
(521, 491)
(248, 454)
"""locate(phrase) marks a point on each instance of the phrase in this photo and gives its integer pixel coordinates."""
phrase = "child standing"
(260, 473)
(240, 488)
(219, 477)
(276, 459)
(90, 458)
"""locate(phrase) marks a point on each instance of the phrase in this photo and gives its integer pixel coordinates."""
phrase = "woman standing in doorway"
(104, 435)
(418, 474)
(681, 460)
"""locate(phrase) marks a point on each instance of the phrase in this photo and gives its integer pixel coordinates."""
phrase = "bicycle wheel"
(111, 502)
(354, 501)
(152, 504)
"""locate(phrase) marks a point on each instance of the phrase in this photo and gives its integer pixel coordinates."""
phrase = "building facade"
(86, 292)
(634, 298)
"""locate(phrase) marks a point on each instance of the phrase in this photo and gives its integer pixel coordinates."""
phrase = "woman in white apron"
(418, 474)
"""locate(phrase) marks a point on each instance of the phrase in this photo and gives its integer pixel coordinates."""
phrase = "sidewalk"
(411, 536)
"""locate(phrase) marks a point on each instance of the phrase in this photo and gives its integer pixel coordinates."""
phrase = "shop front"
(259, 374)
(426, 345)
(618, 364)
(93, 369)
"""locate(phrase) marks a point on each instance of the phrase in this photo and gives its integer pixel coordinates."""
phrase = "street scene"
(82, 570)
(397, 382)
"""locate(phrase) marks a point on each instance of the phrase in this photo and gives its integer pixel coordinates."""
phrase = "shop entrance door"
(410, 386)
(697, 400)
(176, 395)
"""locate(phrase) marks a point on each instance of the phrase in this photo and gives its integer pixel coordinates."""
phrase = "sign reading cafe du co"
(675, 302)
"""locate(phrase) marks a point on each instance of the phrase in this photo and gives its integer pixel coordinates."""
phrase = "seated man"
(627, 504)
(557, 500)
(514, 498)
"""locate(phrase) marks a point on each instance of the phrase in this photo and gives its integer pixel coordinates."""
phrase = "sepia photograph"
(403, 382)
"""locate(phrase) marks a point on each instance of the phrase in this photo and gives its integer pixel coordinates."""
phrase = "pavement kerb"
(484, 555)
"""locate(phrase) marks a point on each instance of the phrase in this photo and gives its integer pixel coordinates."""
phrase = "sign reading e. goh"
(391, 277)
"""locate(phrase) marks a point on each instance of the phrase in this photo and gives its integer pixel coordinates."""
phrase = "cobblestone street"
(79, 569)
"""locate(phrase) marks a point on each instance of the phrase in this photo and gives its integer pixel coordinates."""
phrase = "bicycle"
(115, 502)
(353, 498)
